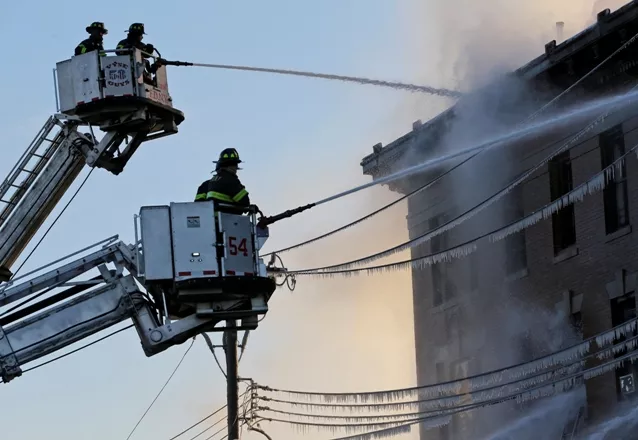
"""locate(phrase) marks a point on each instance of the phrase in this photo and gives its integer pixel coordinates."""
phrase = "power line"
(78, 349)
(198, 423)
(211, 427)
(594, 184)
(212, 349)
(427, 185)
(457, 220)
(518, 371)
(162, 389)
(204, 419)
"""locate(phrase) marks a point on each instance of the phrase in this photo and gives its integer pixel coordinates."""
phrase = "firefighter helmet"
(228, 156)
(97, 25)
(136, 28)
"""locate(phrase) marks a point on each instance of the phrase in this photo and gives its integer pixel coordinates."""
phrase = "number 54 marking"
(235, 249)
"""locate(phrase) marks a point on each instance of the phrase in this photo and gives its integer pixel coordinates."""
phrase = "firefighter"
(225, 186)
(134, 40)
(97, 31)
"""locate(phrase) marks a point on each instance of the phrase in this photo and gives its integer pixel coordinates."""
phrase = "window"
(623, 309)
(612, 147)
(516, 250)
(576, 317)
(442, 287)
(563, 221)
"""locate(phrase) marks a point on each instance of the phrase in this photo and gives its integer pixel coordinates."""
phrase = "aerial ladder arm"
(191, 269)
(28, 202)
(105, 93)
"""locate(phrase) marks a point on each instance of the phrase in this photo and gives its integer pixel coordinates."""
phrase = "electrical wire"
(225, 427)
(244, 342)
(78, 349)
(448, 402)
(212, 349)
(436, 179)
(209, 428)
(520, 370)
(367, 216)
(54, 222)
(460, 218)
(162, 389)
(204, 419)
(594, 184)
(198, 423)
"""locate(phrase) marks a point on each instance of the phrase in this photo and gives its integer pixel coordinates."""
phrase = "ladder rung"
(16, 186)
(27, 171)
(7, 202)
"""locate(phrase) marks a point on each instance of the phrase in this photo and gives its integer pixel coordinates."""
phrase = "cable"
(594, 184)
(468, 213)
(212, 349)
(198, 423)
(225, 427)
(432, 405)
(476, 381)
(78, 349)
(366, 217)
(211, 427)
(54, 222)
(536, 113)
(204, 419)
(244, 342)
(162, 389)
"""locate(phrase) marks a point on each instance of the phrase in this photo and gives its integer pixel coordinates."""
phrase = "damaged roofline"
(607, 22)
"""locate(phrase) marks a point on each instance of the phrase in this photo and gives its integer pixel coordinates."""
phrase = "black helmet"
(136, 28)
(97, 25)
(228, 156)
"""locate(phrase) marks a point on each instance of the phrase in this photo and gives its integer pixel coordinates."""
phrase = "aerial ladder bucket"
(110, 93)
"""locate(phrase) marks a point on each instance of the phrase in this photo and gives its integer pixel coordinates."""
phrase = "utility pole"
(232, 397)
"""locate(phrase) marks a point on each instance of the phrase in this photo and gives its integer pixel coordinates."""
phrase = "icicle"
(593, 185)
(476, 389)
(468, 215)
(384, 433)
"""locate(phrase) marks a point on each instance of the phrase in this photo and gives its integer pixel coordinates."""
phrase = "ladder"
(29, 167)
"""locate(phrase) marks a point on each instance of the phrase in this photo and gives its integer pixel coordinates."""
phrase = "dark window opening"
(623, 309)
(443, 289)
(612, 147)
(563, 221)
(576, 320)
(515, 247)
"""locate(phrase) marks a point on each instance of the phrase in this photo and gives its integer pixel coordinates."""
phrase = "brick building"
(567, 277)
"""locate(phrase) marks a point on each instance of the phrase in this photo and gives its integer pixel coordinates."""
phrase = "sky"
(301, 140)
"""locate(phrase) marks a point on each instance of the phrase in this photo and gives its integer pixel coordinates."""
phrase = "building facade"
(564, 278)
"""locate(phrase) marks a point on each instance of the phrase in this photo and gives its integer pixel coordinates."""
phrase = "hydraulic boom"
(106, 92)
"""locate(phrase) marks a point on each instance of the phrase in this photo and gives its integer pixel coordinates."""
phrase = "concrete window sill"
(566, 254)
(625, 230)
